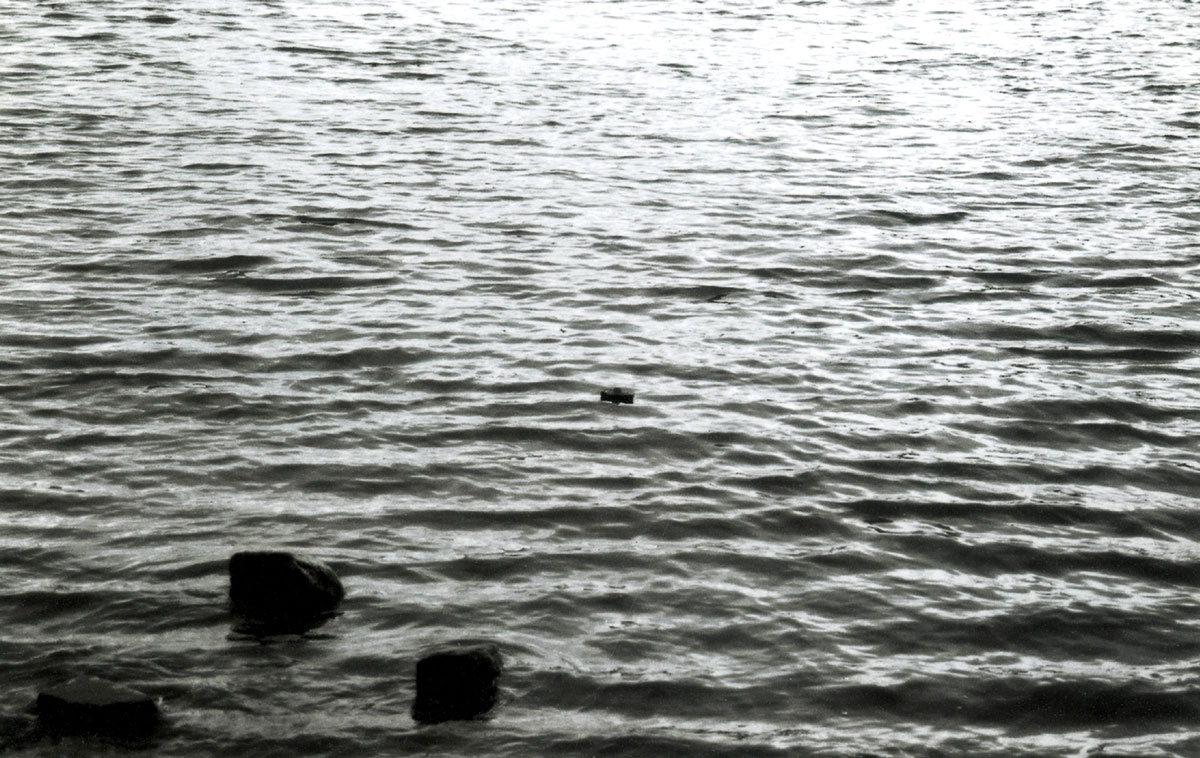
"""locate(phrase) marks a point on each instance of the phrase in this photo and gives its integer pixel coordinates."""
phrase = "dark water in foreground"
(908, 293)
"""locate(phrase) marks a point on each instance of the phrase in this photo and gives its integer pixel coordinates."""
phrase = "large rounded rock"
(90, 705)
(456, 681)
(281, 592)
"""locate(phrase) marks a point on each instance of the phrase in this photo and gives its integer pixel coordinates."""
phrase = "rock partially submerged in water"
(617, 395)
(457, 681)
(278, 592)
(87, 705)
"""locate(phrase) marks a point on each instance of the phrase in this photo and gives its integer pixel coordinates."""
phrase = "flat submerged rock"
(87, 704)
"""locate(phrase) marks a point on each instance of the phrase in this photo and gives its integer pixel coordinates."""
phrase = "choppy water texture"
(907, 292)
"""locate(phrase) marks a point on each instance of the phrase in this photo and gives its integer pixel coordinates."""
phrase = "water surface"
(907, 293)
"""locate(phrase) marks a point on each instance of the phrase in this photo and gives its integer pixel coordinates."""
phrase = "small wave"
(1105, 282)
(218, 166)
(1011, 557)
(1076, 633)
(893, 471)
(353, 220)
(1037, 516)
(778, 484)
(661, 697)
(1057, 160)
(36, 114)
(996, 176)
(621, 743)
(52, 501)
(1131, 355)
(1019, 703)
(1077, 435)
(333, 221)
(87, 441)
(210, 265)
(97, 361)
(649, 441)
(345, 360)
(903, 218)
(300, 285)
(445, 114)
(49, 183)
(190, 232)
(1009, 277)
(1167, 89)
(528, 565)
(847, 281)
(702, 292)
(1076, 703)
(800, 116)
(328, 52)
(409, 74)
(1067, 410)
(449, 129)
(58, 606)
(93, 37)
(877, 284)
(573, 521)
(50, 341)
(1172, 343)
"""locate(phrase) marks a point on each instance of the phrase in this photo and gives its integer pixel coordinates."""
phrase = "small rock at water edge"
(90, 705)
(456, 681)
(281, 592)
(617, 395)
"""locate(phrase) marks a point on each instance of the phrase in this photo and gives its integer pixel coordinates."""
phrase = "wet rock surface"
(457, 681)
(617, 395)
(279, 592)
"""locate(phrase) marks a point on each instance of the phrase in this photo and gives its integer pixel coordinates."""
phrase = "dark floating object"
(617, 395)
(278, 592)
(456, 681)
(87, 705)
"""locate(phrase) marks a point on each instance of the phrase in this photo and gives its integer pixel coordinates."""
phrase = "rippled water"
(907, 292)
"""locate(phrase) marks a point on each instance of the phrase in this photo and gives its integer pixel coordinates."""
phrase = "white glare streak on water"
(907, 293)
